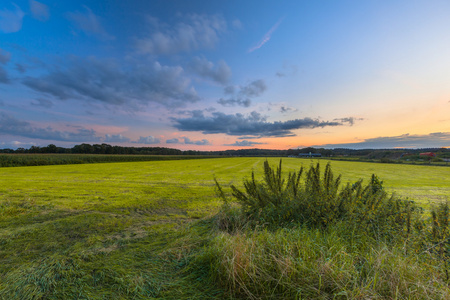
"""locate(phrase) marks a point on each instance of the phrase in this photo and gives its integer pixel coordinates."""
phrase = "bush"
(293, 237)
(319, 201)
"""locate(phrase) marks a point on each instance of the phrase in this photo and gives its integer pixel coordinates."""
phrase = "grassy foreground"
(126, 231)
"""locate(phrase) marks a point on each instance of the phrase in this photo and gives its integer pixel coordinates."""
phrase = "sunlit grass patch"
(147, 230)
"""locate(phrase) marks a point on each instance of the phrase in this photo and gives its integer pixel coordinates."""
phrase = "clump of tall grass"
(296, 263)
(298, 236)
(317, 201)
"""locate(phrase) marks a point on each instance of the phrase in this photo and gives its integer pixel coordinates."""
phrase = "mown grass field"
(126, 230)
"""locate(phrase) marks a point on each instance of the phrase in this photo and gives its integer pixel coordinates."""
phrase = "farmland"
(130, 230)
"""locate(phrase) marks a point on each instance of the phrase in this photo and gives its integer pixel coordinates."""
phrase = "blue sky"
(211, 75)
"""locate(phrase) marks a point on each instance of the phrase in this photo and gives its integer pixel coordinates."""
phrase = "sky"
(214, 75)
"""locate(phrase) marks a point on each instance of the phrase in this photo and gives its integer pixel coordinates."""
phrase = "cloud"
(233, 102)
(432, 140)
(228, 90)
(3, 76)
(237, 24)
(244, 143)
(39, 11)
(193, 32)
(89, 23)
(251, 125)
(20, 68)
(188, 141)
(266, 37)
(12, 126)
(11, 20)
(5, 56)
(115, 138)
(287, 109)
(220, 73)
(349, 120)
(92, 79)
(254, 89)
(172, 141)
(43, 102)
(288, 70)
(148, 140)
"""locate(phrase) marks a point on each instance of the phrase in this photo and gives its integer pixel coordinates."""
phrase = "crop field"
(18, 160)
(127, 230)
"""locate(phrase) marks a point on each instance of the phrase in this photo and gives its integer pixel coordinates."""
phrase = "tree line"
(109, 149)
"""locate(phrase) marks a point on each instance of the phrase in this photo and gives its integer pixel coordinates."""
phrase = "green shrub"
(319, 201)
(294, 237)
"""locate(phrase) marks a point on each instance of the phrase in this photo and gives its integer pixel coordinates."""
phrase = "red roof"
(431, 154)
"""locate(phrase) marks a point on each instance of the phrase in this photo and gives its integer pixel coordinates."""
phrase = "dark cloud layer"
(105, 81)
(250, 125)
(432, 140)
(12, 126)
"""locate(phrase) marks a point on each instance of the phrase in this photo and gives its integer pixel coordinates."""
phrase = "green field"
(127, 230)
(42, 159)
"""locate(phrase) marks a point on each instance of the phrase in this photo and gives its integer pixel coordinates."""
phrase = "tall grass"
(284, 237)
(17, 160)
(132, 231)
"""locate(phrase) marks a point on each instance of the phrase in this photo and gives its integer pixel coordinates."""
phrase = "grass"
(142, 230)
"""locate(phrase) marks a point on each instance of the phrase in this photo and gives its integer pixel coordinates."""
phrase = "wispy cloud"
(191, 33)
(244, 143)
(219, 73)
(242, 98)
(39, 10)
(116, 138)
(89, 23)
(148, 140)
(187, 141)
(266, 37)
(11, 20)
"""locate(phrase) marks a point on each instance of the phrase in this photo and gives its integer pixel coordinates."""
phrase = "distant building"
(429, 154)
(309, 154)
